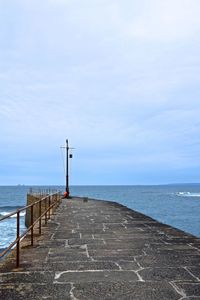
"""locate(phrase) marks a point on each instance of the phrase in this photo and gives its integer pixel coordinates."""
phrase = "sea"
(176, 205)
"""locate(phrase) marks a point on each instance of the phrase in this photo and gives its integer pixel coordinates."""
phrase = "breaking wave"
(4, 213)
(188, 194)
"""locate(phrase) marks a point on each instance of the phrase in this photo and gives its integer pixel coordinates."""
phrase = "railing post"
(49, 198)
(55, 201)
(18, 241)
(45, 210)
(31, 225)
(40, 219)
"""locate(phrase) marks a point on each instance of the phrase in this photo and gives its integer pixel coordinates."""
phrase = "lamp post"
(66, 194)
(67, 168)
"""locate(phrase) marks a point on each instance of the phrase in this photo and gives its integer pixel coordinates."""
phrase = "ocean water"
(176, 205)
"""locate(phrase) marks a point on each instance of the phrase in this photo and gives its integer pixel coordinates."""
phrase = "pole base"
(66, 195)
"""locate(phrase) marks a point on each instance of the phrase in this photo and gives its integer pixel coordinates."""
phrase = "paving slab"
(122, 290)
(103, 250)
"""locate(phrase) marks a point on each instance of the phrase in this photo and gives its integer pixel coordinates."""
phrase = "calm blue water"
(177, 205)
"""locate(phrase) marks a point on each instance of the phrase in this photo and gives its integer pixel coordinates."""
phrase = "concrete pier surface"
(102, 250)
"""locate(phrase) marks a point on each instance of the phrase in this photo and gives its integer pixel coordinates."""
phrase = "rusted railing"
(50, 202)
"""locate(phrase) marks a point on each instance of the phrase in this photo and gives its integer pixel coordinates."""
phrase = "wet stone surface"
(103, 250)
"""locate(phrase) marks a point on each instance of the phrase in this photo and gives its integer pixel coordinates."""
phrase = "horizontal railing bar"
(25, 207)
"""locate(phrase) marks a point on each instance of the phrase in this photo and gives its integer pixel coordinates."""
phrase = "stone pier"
(102, 250)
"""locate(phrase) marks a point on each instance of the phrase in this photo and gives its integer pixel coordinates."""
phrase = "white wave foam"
(188, 194)
(4, 213)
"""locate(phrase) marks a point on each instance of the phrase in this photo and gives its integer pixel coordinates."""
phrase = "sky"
(119, 78)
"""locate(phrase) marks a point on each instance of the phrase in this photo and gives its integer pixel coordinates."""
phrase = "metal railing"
(51, 202)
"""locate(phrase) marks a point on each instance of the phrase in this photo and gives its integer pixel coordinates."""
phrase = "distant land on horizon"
(46, 185)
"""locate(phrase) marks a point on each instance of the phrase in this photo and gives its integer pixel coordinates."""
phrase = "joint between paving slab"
(145, 254)
(71, 292)
(52, 236)
(177, 289)
(123, 224)
(197, 278)
(135, 260)
(193, 247)
(139, 276)
(120, 268)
